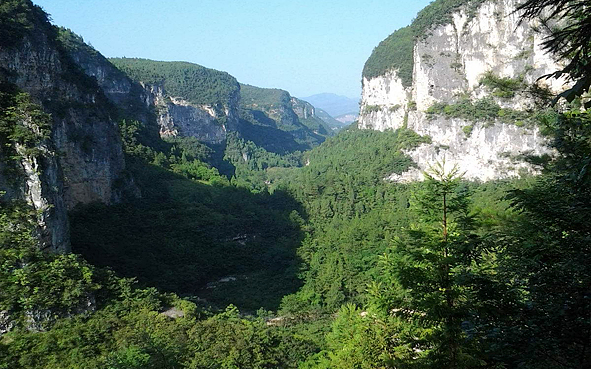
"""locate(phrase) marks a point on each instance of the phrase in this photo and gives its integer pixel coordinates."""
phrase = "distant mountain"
(333, 123)
(268, 114)
(346, 119)
(334, 105)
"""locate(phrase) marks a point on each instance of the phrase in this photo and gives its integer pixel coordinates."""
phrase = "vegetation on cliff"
(486, 110)
(396, 51)
(266, 111)
(570, 41)
(23, 128)
(192, 82)
(365, 273)
(18, 18)
(264, 98)
(393, 53)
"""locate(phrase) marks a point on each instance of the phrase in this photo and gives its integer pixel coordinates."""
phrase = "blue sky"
(304, 47)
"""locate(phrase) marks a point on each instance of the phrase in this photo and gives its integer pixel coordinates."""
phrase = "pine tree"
(428, 278)
(569, 24)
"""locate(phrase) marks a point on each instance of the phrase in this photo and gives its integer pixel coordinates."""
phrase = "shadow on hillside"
(221, 243)
(270, 138)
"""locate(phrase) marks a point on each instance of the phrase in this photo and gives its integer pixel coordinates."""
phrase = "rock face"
(150, 103)
(85, 137)
(302, 109)
(179, 99)
(188, 100)
(450, 63)
(84, 158)
(308, 116)
(130, 97)
(179, 117)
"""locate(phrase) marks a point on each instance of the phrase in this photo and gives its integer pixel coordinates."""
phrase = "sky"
(302, 46)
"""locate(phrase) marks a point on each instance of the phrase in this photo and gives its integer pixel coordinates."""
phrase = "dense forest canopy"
(268, 113)
(242, 257)
(193, 82)
(252, 96)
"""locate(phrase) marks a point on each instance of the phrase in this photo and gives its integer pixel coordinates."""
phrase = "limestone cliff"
(480, 58)
(189, 100)
(84, 156)
(307, 114)
(131, 99)
(179, 99)
(162, 108)
(179, 117)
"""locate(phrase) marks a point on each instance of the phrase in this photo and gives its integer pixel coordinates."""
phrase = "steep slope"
(277, 109)
(256, 140)
(130, 97)
(466, 74)
(193, 101)
(83, 160)
(209, 234)
(190, 100)
(333, 123)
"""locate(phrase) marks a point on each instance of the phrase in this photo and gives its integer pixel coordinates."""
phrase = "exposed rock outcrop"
(84, 158)
(483, 41)
(179, 117)
(188, 100)
(277, 109)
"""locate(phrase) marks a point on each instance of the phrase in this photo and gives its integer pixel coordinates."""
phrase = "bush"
(482, 110)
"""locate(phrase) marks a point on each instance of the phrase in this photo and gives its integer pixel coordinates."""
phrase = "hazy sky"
(302, 46)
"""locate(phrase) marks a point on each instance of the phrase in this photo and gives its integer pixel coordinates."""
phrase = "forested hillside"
(190, 81)
(269, 108)
(274, 250)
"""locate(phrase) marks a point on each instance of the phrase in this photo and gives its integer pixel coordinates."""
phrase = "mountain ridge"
(333, 104)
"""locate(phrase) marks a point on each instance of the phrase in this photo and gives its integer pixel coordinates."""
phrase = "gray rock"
(449, 63)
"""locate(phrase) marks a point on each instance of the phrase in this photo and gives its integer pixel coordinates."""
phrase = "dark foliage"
(570, 41)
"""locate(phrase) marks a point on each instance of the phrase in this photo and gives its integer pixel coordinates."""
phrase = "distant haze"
(333, 104)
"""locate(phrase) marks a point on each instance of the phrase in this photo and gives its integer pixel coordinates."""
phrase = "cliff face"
(188, 100)
(482, 57)
(131, 99)
(179, 117)
(85, 137)
(307, 114)
(152, 104)
(36, 177)
(84, 156)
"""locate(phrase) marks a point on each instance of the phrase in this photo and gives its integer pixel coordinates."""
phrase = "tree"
(422, 309)
(432, 263)
(570, 40)
(548, 254)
